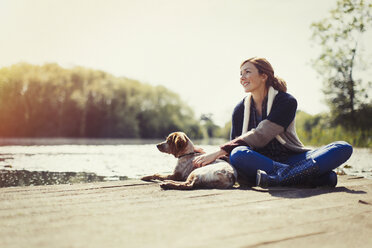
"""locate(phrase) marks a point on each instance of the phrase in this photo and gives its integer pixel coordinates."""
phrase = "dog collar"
(191, 153)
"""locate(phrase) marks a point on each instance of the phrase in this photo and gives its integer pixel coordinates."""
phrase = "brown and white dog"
(220, 174)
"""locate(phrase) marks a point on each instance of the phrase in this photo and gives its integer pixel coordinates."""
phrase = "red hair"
(264, 67)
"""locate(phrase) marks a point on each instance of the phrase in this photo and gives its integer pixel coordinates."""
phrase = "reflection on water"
(109, 162)
(10, 178)
(73, 141)
(66, 161)
(93, 141)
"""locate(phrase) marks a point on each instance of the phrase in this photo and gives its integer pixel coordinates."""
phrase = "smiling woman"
(264, 139)
(256, 76)
(251, 79)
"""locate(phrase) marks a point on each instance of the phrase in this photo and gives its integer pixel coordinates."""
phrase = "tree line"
(342, 60)
(340, 63)
(51, 101)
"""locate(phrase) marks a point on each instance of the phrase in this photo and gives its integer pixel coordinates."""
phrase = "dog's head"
(177, 143)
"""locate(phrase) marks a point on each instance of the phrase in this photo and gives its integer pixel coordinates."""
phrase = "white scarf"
(247, 106)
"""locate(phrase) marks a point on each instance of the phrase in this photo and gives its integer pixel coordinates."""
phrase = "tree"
(51, 101)
(339, 36)
(211, 128)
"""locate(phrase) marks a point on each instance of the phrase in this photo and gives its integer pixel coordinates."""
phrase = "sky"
(193, 47)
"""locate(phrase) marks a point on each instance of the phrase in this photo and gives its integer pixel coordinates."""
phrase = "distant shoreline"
(93, 141)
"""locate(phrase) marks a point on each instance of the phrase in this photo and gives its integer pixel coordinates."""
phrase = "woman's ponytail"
(279, 84)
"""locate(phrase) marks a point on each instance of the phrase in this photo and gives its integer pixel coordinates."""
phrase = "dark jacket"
(279, 124)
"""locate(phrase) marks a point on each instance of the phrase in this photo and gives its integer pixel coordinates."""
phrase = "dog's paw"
(164, 185)
(146, 178)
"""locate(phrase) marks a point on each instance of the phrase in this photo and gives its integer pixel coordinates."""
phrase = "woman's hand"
(206, 159)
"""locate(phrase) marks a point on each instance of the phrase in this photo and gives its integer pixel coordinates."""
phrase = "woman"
(264, 147)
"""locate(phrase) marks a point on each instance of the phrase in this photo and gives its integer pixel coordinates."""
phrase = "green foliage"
(338, 36)
(50, 101)
(209, 127)
(318, 130)
(224, 132)
(322, 129)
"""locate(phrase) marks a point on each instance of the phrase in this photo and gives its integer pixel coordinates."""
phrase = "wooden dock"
(137, 214)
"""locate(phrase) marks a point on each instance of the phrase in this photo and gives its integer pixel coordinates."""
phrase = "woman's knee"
(344, 149)
(333, 155)
(239, 154)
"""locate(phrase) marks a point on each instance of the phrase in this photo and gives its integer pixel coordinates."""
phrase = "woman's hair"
(264, 67)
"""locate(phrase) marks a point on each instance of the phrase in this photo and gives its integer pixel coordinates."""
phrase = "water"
(57, 161)
(46, 161)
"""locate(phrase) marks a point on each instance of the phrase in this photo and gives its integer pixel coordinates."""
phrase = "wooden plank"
(138, 214)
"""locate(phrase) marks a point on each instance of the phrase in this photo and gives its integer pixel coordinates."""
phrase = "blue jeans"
(247, 162)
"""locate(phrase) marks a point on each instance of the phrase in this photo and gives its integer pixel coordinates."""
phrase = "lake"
(57, 161)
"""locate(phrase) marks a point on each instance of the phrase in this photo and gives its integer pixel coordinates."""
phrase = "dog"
(219, 174)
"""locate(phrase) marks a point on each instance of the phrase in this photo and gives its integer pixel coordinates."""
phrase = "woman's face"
(251, 80)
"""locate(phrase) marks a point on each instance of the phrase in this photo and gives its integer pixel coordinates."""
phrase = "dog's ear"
(177, 142)
(180, 143)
